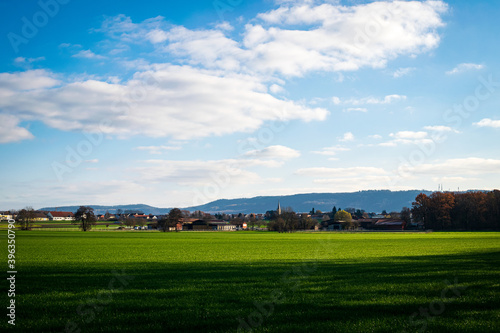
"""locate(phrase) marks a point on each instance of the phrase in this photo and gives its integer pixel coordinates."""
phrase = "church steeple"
(278, 211)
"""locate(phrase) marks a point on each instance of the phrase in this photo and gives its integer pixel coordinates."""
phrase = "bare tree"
(25, 218)
(174, 216)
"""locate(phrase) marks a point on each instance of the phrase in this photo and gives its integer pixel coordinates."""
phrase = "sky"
(176, 104)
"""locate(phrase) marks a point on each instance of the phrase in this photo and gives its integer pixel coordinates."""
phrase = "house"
(209, 225)
(139, 216)
(331, 225)
(366, 223)
(40, 216)
(61, 216)
(222, 226)
(198, 225)
(389, 224)
(5, 216)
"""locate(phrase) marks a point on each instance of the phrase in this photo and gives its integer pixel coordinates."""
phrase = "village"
(273, 220)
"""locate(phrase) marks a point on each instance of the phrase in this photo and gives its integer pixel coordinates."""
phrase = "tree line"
(478, 210)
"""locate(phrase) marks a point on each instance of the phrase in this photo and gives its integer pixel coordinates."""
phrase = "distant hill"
(370, 201)
(98, 209)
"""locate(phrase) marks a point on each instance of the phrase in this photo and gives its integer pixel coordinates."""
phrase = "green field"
(269, 282)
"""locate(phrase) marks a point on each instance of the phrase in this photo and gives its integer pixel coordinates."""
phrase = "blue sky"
(174, 103)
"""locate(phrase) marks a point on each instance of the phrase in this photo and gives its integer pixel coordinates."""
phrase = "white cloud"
(95, 160)
(464, 68)
(403, 72)
(355, 110)
(273, 152)
(487, 122)
(459, 167)
(88, 54)
(341, 172)
(276, 89)
(298, 38)
(225, 26)
(174, 101)
(447, 180)
(217, 173)
(441, 129)
(407, 137)
(389, 99)
(10, 83)
(331, 151)
(10, 131)
(26, 62)
(335, 38)
(157, 36)
(157, 150)
(209, 48)
(375, 136)
(347, 137)
(359, 182)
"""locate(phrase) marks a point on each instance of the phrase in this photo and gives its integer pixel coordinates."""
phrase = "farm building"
(61, 216)
(209, 225)
(40, 216)
(389, 224)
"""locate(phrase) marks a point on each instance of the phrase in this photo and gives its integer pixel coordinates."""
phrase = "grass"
(269, 282)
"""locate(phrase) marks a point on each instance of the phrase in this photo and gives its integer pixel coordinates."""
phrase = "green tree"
(85, 218)
(343, 216)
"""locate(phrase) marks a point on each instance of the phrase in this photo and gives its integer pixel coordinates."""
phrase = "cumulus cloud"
(464, 68)
(331, 151)
(344, 178)
(355, 110)
(347, 137)
(459, 167)
(389, 99)
(10, 83)
(400, 72)
(157, 150)
(88, 54)
(298, 37)
(487, 122)
(341, 172)
(203, 173)
(274, 152)
(440, 128)
(181, 102)
(222, 83)
(305, 36)
(407, 137)
(10, 131)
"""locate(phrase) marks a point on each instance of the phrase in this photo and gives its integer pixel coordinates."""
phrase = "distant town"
(274, 220)
(476, 210)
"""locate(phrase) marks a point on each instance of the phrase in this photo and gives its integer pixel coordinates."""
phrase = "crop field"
(70, 281)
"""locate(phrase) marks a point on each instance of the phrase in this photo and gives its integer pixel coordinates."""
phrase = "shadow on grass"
(263, 296)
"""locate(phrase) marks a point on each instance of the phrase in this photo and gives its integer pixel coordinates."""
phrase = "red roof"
(62, 214)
